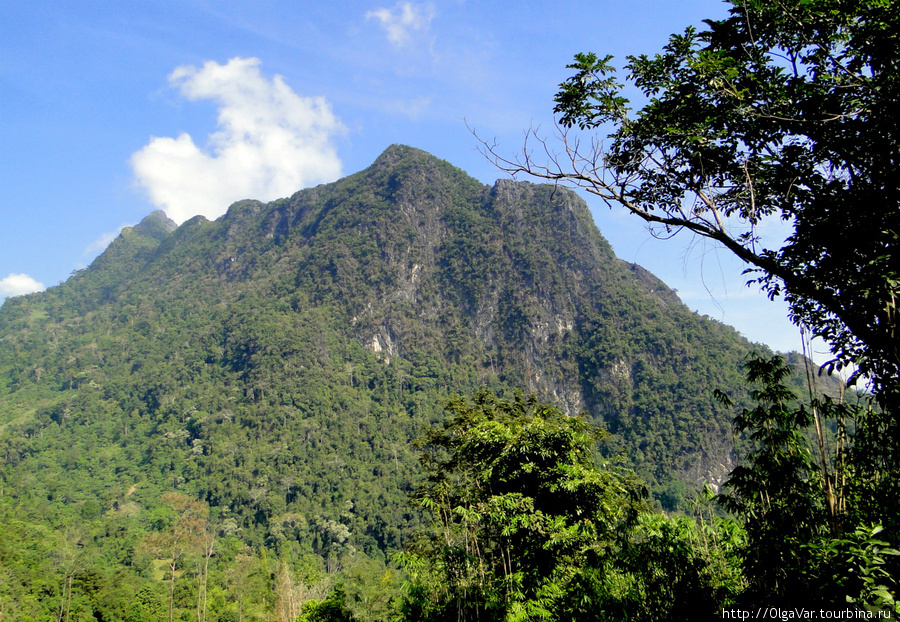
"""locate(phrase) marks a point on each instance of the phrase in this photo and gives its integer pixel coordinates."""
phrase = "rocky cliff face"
(516, 279)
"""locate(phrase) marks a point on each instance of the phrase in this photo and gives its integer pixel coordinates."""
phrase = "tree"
(805, 544)
(186, 534)
(526, 526)
(782, 110)
(777, 489)
(332, 609)
(519, 508)
(70, 560)
(146, 607)
(206, 541)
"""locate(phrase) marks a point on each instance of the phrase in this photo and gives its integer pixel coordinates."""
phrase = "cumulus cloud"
(400, 23)
(270, 142)
(18, 285)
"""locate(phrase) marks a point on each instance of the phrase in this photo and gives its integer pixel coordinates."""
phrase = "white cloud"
(18, 285)
(403, 20)
(270, 142)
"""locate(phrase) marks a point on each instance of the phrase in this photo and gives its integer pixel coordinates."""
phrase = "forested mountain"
(278, 363)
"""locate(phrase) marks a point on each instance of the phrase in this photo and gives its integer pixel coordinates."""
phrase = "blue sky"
(110, 109)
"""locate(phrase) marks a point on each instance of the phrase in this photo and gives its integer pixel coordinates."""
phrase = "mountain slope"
(279, 362)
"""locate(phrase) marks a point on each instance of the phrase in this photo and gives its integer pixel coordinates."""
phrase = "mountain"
(279, 362)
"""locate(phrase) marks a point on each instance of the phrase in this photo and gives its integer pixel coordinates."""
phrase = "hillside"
(278, 363)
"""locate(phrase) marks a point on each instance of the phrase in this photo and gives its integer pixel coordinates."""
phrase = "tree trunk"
(172, 587)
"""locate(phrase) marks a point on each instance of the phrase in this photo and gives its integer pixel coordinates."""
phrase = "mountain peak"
(413, 261)
(397, 152)
(409, 160)
(156, 225)
(311, 339)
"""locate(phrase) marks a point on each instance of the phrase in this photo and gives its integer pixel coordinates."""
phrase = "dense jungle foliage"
(260, 418)
(781, 111)
(275, 367)
(217, 421)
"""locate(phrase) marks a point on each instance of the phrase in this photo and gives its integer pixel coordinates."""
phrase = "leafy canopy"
(784, 110)
(526, 525)
(519, 506)
(811, 523)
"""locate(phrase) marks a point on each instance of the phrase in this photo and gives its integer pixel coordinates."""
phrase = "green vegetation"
(781, 110)
(803, 506)
(518, 507)
(527, 526)
(275, 367)
(217, 422)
